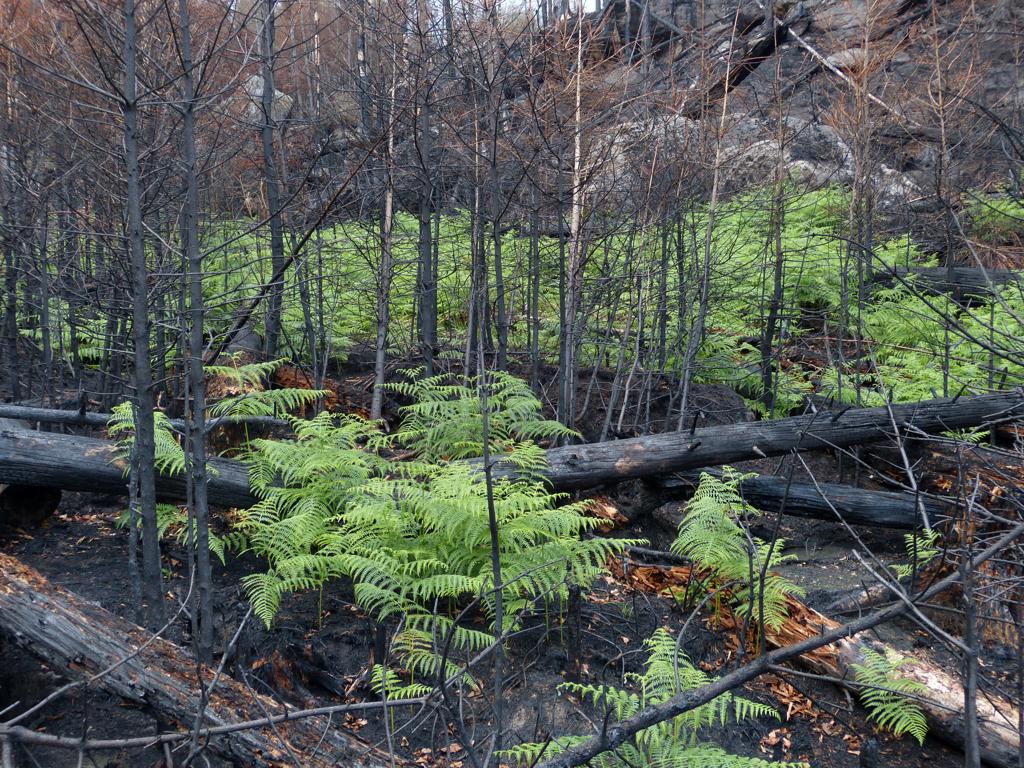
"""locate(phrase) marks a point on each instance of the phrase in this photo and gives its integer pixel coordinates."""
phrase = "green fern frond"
(711, 536)
(246, 375)
(168, 456)
(388, 684)
(268, 402)
(885, 694)
(414, 537)
(446, 421)
(922, 548)
(174, 519)
(671, 743)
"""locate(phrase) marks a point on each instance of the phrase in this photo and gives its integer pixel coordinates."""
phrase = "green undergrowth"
(742, 568)
(413, 535)
(996, 219)
(911, 344)
(678, 741)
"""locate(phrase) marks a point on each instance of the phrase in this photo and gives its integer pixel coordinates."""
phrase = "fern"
(711, 537)
(922, 548)
(673, 742)
(251, 399)
(244, 376)
(885, 694)
(445, 421)
(169, 458)
(413, 536)
(174, 520)
(386, 683)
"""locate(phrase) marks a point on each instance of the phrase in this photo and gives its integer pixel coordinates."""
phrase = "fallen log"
(858, 506)
(80, 639)
(966, 282)
(90, 419)
(586, 466)
(86, 464)
(36, 460)
(25, 506)
(942, 703)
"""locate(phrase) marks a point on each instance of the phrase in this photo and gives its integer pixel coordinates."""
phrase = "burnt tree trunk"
(30, 413)
(585, 466)
(768, 493)
(961, 282)
(86, 464)
(80, 639)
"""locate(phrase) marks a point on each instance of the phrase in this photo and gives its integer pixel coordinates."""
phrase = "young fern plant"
(411, 545)
(413, 536)
(923, 547)
(886, 694)
(445, 420)
(173, 520)
(304, 487)
(711, 537)
(169, 458)
(672, 743)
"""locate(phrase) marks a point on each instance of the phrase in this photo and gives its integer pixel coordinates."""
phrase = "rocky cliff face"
(922, 98)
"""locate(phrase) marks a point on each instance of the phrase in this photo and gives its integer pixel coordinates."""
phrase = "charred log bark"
(83, 641)
(585, 466)
(86, 464)
(89, 419)
(857, 506)
(967, 282)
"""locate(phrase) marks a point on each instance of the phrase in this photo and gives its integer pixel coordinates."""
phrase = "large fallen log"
(36, 461)
(943, 699)
(80, 639)
(86, 464)
(857, 506)
(31, 413)
(586, 466)
(966, 282)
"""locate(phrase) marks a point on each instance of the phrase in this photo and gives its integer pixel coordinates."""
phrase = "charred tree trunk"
(585, 466)
(83, 641)
(87, 464)
(961, 282)
(152, 590)
(857, 506)
(78, 463)
(272, 178)
(998, 740)
(32, 413)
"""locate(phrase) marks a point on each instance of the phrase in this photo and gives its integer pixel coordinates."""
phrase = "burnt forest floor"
(320, 645)
(319, 648)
